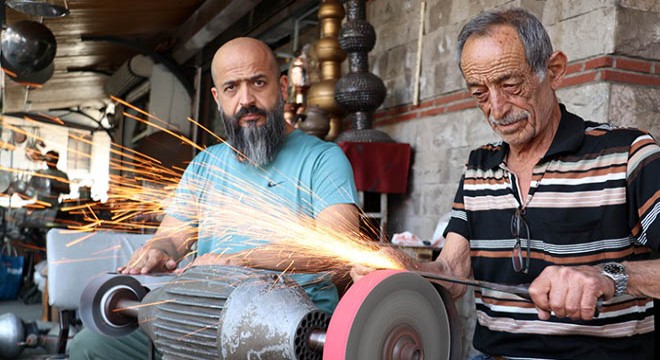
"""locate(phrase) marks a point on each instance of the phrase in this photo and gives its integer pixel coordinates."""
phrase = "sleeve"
(458, 222)
(333, 181)
(183, 206)
(643, 191)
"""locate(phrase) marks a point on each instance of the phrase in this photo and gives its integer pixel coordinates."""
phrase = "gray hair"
(260, 144)
(532, 34)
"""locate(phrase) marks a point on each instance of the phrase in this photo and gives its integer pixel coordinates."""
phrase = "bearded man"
(263, 158)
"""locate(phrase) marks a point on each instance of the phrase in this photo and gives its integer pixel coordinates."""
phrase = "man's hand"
(147, 260)
(405, 261)
(570, 291)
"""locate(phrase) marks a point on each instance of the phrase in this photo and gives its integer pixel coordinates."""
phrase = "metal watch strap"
(617, 273)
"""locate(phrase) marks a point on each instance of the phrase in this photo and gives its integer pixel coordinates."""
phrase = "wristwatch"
(617, 273)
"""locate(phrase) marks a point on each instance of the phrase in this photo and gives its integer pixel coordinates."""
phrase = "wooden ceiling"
(177, 29)
(82, 67)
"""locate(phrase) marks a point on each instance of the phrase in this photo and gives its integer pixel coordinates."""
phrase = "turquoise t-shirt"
(306, 176)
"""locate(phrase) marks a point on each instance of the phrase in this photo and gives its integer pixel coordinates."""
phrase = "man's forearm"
(274, 258)
(643, 279)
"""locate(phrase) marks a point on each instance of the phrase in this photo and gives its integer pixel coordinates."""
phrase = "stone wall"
(614, 75)
(613, 49)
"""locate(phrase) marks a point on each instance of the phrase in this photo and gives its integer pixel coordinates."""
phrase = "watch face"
(613, 268)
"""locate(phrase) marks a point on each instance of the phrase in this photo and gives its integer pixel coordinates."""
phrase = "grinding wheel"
(395, 315)
(100, 299)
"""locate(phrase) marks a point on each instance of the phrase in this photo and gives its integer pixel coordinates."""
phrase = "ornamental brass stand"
(322, 94)
(359, 92)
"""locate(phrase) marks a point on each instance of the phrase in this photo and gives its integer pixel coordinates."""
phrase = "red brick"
(656, 67)
(579, 79)
(630, 78)
(432, 112)
(462, 105)
(380, 114)
(405, 117)
(394, 111)
(463, 94)
(573, 68)
(600, 62)
(632, 64)
(422, 105)
(385, 122)
(396, 119)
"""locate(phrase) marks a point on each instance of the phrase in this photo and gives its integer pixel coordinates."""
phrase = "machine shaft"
(127, 307)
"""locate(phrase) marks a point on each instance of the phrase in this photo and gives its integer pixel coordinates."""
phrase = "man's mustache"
(509, 118)
(252, 109)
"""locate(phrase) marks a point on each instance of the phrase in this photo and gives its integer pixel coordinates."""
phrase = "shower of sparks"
(141, 188)
(79, 240)
(247, 210)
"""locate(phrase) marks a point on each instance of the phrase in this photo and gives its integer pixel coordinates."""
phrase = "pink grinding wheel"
(393, 315)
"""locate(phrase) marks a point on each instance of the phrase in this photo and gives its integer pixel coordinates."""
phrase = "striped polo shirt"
(594, 198)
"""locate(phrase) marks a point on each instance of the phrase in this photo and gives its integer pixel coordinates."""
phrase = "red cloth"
(379, 167)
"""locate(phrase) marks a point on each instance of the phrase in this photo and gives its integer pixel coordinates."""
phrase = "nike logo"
(273, 184)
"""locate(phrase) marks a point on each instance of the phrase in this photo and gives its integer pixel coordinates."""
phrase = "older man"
(264, 157)
(565, 204)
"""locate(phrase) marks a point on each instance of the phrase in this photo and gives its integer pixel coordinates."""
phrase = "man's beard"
(258, 143)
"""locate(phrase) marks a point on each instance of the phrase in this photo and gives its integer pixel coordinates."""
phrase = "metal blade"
(521, 290)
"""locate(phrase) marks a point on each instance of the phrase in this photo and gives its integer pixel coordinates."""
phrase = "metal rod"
(316, 339)
(128, 307)
(520, 290)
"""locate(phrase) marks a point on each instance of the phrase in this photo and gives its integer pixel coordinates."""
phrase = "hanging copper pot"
(5, 180)
(31, 150)
(18, 186)
(33, 154)
(18, 137)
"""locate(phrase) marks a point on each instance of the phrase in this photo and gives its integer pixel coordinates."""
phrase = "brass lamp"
(330, 56)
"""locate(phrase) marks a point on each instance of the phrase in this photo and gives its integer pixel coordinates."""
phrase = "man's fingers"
(170, 265)
(572, 292)
(355, 275)
(358, 271)
(543, 314)
(152, 262)
(573, 303)
(589, 307)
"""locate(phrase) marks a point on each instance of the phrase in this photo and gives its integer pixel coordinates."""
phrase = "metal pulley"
(5, 180)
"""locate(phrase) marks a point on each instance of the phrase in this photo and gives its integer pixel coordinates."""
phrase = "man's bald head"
(242, 49)
(249, 92)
